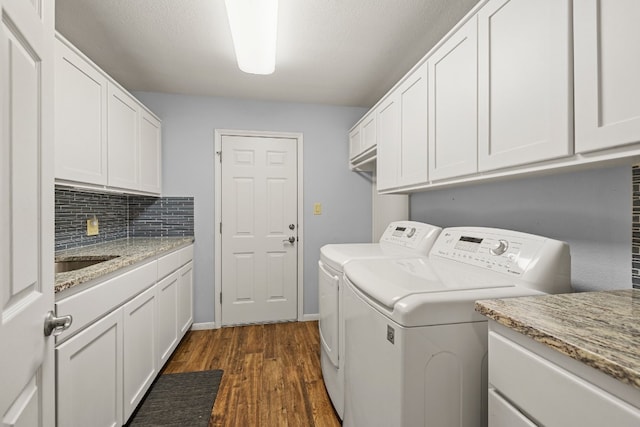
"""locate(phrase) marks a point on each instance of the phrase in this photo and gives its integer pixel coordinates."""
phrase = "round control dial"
(500, 248)
(411, 232)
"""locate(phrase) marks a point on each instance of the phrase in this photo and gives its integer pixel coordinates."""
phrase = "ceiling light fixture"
(254, 24)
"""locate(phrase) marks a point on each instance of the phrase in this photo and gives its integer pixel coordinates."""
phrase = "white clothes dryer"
(416, 350)
(400, 239)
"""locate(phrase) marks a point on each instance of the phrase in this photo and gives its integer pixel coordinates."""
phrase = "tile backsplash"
(119, 216)
(635, 224)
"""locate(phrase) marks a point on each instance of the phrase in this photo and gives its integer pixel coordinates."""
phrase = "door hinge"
(221, 228)
(219, 153)
(220, 297)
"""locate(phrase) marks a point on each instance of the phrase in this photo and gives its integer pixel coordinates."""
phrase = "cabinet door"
(368, 132)
(140, 349)
(607, 66)
(122, 136)
(150, 153)
(388, 150)
(354, 142)
(167, 320)
(185, 299)
(413, 129)
(89, 375)
(80, 119)
(453, 105)
(525, 86)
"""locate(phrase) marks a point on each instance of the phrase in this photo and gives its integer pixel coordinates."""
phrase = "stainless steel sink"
(77, 264)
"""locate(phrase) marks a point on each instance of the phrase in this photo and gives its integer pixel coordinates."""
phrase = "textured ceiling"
(341, 52)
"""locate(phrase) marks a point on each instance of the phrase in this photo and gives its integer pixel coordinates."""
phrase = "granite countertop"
(600, 329)
(127, 252)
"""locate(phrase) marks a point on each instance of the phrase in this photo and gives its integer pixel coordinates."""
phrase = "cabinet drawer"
(550, 394)
(502, 414)
(96, 301)
(169, 263)
(186, 254)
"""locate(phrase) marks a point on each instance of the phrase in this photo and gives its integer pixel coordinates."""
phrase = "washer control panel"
(413, 235)
(509, 252)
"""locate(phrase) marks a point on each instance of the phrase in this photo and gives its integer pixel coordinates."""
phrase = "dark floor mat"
(184, 399)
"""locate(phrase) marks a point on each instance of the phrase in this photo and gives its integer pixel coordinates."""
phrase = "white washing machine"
(416, 351)
(400, 239)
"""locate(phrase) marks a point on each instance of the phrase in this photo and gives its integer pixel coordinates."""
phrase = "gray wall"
(591, 210)
(188, 124)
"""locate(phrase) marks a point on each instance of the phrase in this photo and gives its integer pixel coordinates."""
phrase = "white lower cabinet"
(105, 367)
(531, 384)
(185, 298)
(89, 375)
(140, 355)
(167, 319)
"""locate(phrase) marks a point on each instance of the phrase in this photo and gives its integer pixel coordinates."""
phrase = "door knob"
(55, 325)
(292, 226)
(291, 240)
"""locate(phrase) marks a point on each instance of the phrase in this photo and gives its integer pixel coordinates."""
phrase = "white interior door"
(258, 217)
(26, 212)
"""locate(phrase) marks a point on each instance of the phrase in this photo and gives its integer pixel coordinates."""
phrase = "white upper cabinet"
(363, 142)
(80, 117)
(354, 142)
(150, 153)
(525, 85)
(607, 71)
(388, 119)
(104, 137)
(402, 149)
(453, 105)
(122, 137)
(368, 140)
(413, 128)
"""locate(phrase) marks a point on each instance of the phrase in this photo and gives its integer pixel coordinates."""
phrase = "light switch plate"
(317, 208)
(92, 227)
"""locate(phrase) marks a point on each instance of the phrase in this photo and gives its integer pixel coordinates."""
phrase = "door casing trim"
(219, 133)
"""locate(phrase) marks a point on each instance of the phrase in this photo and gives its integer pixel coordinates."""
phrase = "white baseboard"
(212, 325)
(203, 326)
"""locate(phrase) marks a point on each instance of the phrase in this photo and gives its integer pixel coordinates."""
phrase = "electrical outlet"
(317, 208)
(92, 227)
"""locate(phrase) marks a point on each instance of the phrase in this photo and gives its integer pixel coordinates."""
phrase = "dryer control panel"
(509, 252)
(413, 235)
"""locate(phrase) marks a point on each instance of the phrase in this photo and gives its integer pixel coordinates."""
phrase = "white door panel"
(607, 88)
(525, 86)
(26, 212)
(259, 202)
(453, 105)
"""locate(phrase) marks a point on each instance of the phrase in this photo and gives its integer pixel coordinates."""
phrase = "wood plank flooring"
(272, 374)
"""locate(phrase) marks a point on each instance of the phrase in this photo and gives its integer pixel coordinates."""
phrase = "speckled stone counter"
(600, 329)
(127, 251)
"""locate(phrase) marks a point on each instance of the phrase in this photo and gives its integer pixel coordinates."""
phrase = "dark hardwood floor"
(272, 374)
